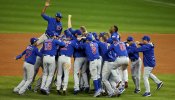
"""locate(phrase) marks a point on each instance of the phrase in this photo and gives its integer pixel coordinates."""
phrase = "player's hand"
(69, 16)
(47, 4)
(137, 42)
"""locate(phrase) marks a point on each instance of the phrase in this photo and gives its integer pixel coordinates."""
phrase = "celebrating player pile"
(103, 57)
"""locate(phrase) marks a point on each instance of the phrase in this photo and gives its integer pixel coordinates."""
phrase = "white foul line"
(160, 2)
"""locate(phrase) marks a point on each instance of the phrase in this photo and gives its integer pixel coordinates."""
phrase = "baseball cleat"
(159, 85)
(121, 90)
(111, 95)
(47, 92)
(29, 88)
(76, 92)
(58, 92)
(97, 93)
(43, 91)
(137, 91)
(86, 89)
(64, 92)
(126, 84)
(147, 94)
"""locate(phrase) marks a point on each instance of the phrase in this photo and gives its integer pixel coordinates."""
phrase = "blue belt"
(95, 59)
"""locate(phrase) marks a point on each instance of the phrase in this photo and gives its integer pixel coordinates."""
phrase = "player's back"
(31, 55)
(91, 50)
(148, 55)
(120, 49)
(132, 55)
(50, 47)
(68, 50)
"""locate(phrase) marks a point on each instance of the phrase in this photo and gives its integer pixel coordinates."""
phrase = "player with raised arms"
(54, 24)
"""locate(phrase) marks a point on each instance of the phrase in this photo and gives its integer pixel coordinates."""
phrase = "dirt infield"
(13, 44)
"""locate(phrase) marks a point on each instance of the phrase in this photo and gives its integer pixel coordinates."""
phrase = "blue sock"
(95, 85)
(99, 83)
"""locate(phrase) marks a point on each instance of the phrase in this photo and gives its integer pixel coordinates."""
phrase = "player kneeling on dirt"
(30, 53)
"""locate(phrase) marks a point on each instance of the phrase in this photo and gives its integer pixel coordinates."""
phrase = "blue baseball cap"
(130, 38)
(89, 37)
(59, 15)
(95, 34)
(68, 33)
(33, 40)
(147, 38)
(102, 34)
(78, 32)
(115, 38)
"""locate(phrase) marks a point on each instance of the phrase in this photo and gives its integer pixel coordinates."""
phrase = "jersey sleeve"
(75, 44)
(60, 43)
(71, 30)
(45, 17)
(19, 56)
(142, 48)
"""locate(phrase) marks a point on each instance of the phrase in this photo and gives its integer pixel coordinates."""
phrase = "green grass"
(7, 83)
(143, 16)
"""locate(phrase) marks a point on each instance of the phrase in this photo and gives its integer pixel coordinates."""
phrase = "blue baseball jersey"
(103, 48)
(132, 55)
(53, 25)
(50, 46)
(68, 50)
(113, 34)
(148, 54)
(91, 50)
(30, 53)
(119, 48)
(78, 51)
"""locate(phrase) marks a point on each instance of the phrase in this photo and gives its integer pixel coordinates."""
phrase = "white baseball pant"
(148, 73)
(27, 78)
(95, 69)
(136, 72)
(80, 64)
(48, 72)
(41, 39)
(64, 65)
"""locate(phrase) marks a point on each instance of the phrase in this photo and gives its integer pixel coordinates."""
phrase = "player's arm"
(142, 48)
(38, 53)
(20, 56)
(69, 21)
(47, 3)
(60, 43)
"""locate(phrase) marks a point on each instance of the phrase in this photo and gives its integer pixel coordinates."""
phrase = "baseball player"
(123, 73)
(54, 24)
(122, 59)
(108, 62)
(92, 53)
(136, 63)
(49, 51)
(30, 53)
(64, 62)
(80, 67)
(80, 63)
(38, 64)
(149, 63)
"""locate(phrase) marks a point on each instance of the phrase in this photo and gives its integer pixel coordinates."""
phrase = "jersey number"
(122, 47)
(94, 49)
(28, 53)
(48, 46)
